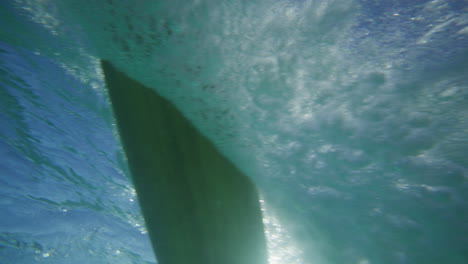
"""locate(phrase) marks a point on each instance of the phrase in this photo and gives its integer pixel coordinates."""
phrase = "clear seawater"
(350, 116)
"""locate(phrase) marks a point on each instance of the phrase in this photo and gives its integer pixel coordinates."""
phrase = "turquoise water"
(351, 117)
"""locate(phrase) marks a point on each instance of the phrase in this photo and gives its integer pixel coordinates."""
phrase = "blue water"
(65, 195)
(350, 116)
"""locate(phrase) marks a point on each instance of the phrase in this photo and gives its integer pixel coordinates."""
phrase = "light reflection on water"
(281, 247)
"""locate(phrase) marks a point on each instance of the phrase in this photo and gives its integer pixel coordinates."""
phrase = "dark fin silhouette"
(198, 207)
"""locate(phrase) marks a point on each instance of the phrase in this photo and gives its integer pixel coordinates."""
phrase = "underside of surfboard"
(198, 207)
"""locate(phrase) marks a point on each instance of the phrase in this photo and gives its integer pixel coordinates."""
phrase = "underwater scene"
(350, 117)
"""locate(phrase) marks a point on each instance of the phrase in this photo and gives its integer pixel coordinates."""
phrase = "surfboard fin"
(198, 207)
